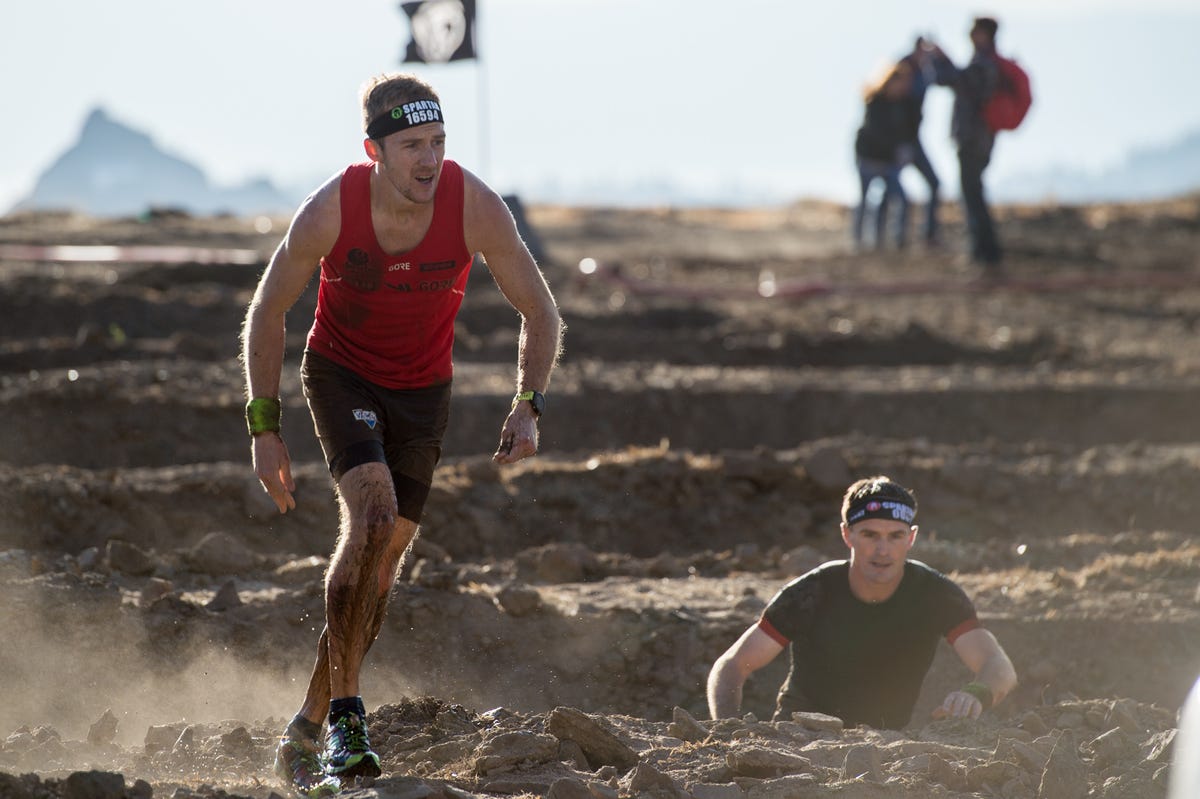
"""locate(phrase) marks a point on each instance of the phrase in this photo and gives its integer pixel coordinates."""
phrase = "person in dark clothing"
(862, 632)
(973, 86)
(882, 146)
(923, 75)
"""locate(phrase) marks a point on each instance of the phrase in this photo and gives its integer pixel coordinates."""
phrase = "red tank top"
(390, 318)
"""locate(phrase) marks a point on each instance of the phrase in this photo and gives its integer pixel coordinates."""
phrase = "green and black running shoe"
(298, 764)
(348, 751)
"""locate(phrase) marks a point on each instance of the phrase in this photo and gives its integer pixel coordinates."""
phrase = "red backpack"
(1012, 98)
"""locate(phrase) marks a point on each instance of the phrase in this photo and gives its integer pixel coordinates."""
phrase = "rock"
(226, 598)
(20, 741)
(162, 738)
(508, 749)
(89, 559)
(219, 554)
(104, 730)
(1015, 733)
(602, 790)
(1158, 747)
(12, 787)
(568, 788)
(155, 589)
(828, 469)
(141, 790)
(238, 742)
(563, 563)
(518, 600)
(94, 785)
(186, 740)
(401, 788)
(1033, 724)
(644, 778)
(453, 720)
(601, 746)
(945, 773)
(1112, 748)
(453, 749)
(302, 571)
(709, 790)
(685, 727)
(760, 762)
(994, 773)
(128, 558)
(429, 573)
(571, 752)
(1069, 720)
(1028, 757)
(819, 722)
(1065, 775)
(426, 549)
(1123, 714)
(793, 786)
(863, 762)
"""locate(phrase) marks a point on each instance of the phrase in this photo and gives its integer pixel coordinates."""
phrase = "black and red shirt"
(390, 317)
(863, 662)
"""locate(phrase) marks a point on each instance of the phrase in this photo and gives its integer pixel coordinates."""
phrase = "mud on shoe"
(298, 764)
(348, 751)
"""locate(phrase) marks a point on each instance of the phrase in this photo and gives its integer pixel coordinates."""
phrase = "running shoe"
(348, 751)
(298, 764)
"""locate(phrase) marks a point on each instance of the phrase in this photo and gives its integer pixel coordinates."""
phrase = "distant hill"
(114, 170)
(1149, 173)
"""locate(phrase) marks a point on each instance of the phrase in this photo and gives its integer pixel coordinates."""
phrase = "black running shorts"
(359, 422)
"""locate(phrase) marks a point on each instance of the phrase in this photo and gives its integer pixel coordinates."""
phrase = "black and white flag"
(442, 30)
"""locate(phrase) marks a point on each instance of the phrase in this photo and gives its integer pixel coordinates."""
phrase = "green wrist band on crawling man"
(980, 691)
(262, 415)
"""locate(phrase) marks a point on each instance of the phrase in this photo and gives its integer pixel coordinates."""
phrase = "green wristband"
(980, 691)
(262, 415)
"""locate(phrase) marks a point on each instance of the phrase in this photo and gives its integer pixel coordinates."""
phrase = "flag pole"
(481, 100)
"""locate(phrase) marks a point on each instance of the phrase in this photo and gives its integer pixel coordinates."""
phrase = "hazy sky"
(758, 95)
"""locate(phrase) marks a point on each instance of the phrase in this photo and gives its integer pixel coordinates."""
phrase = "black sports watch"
(534, 398)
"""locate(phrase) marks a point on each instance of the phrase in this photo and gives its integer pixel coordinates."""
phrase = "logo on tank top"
(360, 273)
(367, 417)
(437, 266)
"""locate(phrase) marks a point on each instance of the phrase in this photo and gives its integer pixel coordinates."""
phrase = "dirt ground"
(726, 374)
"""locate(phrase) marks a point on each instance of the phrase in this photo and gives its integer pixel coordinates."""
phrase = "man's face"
(980, 38)
(411, 160)
(878, 548)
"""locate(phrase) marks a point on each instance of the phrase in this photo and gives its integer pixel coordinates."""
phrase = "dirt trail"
(551, 633)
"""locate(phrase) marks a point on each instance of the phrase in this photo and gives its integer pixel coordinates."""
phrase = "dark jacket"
(887, 126)
(973, 86)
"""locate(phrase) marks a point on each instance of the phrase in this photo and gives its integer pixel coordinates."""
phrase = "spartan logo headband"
(403, 117)
(877, 507)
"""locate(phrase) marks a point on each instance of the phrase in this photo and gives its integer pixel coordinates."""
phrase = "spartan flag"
(442, 30)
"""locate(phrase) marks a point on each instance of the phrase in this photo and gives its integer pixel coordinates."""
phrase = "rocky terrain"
(726, 374)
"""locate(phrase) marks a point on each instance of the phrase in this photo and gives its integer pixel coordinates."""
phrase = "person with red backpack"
(988, 96)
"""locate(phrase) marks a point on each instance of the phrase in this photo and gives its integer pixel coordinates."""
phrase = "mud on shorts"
(359, 422)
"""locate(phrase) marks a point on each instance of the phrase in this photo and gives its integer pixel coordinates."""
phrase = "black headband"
(874, 506)
(403, 117)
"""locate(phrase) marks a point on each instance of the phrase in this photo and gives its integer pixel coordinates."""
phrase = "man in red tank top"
(394, 239)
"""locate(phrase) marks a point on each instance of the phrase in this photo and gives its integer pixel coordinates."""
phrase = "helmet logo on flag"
(438, 29)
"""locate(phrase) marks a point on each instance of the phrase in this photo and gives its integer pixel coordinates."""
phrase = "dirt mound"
(726, 374)
(1077, 748)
